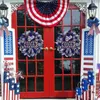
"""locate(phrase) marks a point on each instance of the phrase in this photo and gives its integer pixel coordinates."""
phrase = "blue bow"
(93, 24)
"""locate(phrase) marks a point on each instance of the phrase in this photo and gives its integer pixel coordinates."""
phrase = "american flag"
(11, 88)
(6, 86)
(17, 91)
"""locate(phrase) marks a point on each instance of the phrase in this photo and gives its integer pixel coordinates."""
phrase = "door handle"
(51, 48)
(46, 48)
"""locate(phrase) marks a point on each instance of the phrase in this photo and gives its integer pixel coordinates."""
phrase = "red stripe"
(88, 58)
(87, 68)
(85, 74)
(8, 58)
(88, 63)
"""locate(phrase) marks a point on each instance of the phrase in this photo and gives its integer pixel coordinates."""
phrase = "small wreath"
(68, 43)
(30, 43)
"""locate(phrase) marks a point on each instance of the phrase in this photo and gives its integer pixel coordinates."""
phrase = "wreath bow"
(93, 24)
(3, 25)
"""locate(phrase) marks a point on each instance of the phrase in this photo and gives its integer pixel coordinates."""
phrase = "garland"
(68, 43)
(30, 43)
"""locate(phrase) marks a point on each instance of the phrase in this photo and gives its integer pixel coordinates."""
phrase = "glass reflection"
(22, 67)
(31, 68)
(67, 18)
(76, 66)
(75, 17)
(39, 83)
(23, 85)
(58, 83)
(58, 67)
(31, 84)
(66, 65)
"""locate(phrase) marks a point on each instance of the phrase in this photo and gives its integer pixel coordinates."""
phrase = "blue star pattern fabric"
(11, 83)
(17, 88)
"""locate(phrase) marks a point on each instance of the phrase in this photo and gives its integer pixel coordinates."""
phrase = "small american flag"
(6, 86)
(17, 91)
(11, 88)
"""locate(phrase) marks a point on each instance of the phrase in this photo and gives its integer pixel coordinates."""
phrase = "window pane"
(67, 68)
(31, 68)
(31, 84)
(22, 67)
(29, 21)
(20, 18)
(58, 83)
(76, 66)
(40, 84)
(67, 83)
(40, 68)
(67, 18)
(58, 67)
(20, 55)
(76, 17)
(66, 29)
(76, 80)
(23, 85)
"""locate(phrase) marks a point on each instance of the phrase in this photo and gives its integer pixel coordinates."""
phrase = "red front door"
(48, 75)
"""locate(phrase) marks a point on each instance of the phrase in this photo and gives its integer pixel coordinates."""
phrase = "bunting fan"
(47, 12)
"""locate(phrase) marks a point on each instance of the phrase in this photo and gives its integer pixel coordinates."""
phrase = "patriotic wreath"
(30, 43)
(68, 43)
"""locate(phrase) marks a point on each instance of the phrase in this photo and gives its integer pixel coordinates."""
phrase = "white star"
(18, 85)
(12, 86)
(17, 90)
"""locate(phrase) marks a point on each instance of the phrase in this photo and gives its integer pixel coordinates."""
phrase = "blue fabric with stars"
(17, 88)
(6, 77)
(89, 44)
(11, 83)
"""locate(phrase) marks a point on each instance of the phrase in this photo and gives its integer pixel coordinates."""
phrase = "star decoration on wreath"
(68, 43)
(30, 43)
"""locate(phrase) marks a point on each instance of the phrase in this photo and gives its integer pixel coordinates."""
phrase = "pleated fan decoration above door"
(47, 12)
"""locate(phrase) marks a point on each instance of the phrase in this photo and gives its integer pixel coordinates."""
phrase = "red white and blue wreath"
(68, 43)
(30, 43)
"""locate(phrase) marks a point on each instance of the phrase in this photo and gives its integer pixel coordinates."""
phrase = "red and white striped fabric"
(6, 91)
(87, 65)
(47, 12)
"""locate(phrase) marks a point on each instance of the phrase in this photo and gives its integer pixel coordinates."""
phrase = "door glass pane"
(20, 55)
(20, 17)
(22, 67)
(58, 67)
(67, 18)
(31, 84)
(23, 85)
(76, 80)
(67, 83)
(75, 17)
(76, 66)
(29, 21)
(57, 31)
(31, 68)
(58, 83)
(66, 29)
(40, 68)
(67, 66)
(39, 84)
